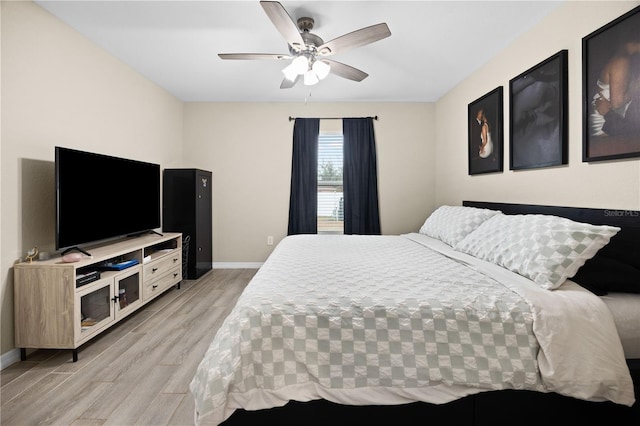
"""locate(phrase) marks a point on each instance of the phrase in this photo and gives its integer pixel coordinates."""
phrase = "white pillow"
(451, 224)
(546, 249)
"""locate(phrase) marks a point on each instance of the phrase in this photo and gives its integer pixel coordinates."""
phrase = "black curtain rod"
(329, 118)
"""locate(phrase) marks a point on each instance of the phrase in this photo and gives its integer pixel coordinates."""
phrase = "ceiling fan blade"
(252, 56)
(288, 84)
(356, 38)
(283, 23)
(346, 71)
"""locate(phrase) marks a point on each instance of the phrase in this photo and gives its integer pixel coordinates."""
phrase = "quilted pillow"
(451, 224)
(546, 249)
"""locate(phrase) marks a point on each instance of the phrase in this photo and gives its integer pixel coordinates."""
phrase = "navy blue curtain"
(303, 202)
(360, 177)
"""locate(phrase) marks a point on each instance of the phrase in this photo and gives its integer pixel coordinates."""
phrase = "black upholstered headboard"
(616, 267)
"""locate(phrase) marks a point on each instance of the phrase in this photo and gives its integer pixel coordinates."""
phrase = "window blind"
(330, 193)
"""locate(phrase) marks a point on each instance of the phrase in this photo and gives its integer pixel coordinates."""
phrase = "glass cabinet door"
(95, 307)
(127, 296)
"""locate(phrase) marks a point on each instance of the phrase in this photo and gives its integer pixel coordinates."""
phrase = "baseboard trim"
(237, 265)
(9, 358)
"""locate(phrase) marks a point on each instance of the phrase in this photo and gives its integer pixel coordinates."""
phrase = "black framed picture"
(486, 133)
(611, 90)
(538, 115)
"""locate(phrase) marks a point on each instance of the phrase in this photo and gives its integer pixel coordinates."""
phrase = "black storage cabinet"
(186, 208)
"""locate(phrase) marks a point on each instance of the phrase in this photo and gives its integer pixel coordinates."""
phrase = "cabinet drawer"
(152, 288)
(157, 268)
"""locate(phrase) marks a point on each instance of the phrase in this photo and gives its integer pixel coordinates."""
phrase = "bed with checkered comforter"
(394, 319)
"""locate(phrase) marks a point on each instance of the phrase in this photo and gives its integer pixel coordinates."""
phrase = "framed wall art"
(611, 90)
(486, 133)
(538, 115)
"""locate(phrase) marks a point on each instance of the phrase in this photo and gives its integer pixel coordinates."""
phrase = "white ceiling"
(433, 45)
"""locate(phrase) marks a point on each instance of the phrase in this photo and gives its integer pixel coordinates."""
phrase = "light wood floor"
(136, 373)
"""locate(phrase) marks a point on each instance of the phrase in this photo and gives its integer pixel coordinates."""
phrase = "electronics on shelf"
(117, 266)
(86, 278)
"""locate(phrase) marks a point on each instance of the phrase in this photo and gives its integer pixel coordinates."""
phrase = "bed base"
(507, 407)
(492, 407)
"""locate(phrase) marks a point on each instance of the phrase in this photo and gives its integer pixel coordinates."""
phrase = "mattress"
(393, 319)
(625, 308)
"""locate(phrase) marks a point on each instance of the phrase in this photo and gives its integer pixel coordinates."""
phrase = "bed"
(458, 321)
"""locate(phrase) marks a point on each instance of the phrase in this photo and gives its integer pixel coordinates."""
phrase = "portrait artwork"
(485, 127)
(611, 90)
(538, 115)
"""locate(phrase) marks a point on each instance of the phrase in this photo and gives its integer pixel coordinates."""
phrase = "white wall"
(247, 146)
(612, 184)
(60, 89)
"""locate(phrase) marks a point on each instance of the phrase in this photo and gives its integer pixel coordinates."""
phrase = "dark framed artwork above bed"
(485, 125)
(538, 115)
(611, 90)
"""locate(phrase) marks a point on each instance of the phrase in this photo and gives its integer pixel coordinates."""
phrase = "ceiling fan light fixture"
(321, 69)
(310, 78)
(300, 65)
(290, 72)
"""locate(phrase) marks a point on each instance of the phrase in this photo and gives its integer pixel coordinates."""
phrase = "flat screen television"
(101, 197)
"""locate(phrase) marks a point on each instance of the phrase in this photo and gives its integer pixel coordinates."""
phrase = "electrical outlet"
(270, 240)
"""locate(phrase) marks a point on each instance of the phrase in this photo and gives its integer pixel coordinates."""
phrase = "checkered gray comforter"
(342, 313)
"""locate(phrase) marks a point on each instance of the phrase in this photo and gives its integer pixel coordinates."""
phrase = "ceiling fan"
(308, 52)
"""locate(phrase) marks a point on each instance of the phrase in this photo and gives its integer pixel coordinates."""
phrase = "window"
(330, 194)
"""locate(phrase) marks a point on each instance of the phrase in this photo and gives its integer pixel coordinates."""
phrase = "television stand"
(56, 309)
